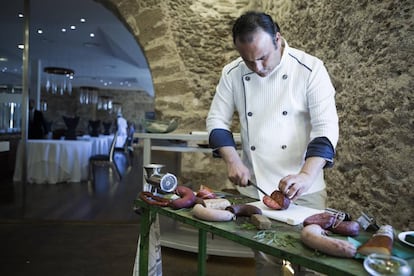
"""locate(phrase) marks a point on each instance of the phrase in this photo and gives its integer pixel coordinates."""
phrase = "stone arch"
(150, 27)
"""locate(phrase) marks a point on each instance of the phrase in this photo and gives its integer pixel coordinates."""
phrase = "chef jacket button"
(249, 114)
(284, 146)
(253, 148)
(284, 113)
(247, 78)
(284, 76)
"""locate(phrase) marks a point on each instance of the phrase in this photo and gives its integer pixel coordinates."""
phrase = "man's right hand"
(237, 172)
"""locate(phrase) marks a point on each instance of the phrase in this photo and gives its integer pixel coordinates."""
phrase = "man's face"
(259, 52)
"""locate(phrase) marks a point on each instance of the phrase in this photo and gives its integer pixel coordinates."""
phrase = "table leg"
(146, 159)
(202, 252)
(144, 240)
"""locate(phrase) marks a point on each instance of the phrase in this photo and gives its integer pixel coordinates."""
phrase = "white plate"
(401, 237)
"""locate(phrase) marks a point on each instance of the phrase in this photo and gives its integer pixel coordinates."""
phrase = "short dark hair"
(250, 22)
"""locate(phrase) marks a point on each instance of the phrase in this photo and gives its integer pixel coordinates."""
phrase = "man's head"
(256, 38)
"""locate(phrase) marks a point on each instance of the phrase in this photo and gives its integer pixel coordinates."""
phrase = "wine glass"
(381, 264)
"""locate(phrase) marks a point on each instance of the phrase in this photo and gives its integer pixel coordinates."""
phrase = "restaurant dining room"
(122, 124)
(69, 177)
(68, 180)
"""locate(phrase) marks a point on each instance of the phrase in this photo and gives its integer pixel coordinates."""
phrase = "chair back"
(120, 158)
(112, 148)
(130, 138)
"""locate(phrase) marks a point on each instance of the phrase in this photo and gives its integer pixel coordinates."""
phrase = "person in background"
(122, 127)
(288, 120)
(37, 124)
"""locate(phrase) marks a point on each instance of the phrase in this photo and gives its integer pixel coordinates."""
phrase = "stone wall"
(367, 48)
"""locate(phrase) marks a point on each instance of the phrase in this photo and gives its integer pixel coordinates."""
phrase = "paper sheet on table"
(293, 215)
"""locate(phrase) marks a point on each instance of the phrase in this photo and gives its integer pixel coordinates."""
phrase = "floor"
(84, 229)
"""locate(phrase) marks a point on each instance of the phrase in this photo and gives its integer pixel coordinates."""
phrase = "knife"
(250, 183)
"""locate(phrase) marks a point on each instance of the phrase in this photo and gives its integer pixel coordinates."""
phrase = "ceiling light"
(40, 31)
(63, 30)
(3, 59)
(83, 20)
(20, 15)
(20, 46)
(92, 35)
(73, 27)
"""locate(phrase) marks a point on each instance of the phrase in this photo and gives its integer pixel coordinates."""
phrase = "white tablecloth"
(100, 145)
(54, 161)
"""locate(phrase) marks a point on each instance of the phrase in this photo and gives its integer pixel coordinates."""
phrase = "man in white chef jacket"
(288, 120)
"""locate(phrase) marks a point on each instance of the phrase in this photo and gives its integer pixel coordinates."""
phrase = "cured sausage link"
(314, 236)
(152, 199)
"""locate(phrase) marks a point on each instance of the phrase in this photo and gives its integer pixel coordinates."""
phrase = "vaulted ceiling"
(101, 50)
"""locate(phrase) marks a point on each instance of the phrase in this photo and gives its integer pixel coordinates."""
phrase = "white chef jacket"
(279, 115)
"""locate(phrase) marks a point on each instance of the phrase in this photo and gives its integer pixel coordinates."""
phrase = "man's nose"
(258, 67)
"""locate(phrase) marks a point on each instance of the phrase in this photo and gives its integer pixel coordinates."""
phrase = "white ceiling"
(112, 59)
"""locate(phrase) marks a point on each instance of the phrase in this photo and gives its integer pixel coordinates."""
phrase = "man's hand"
(237, 172)
(294, 185)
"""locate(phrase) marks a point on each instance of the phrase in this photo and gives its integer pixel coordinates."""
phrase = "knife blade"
(250, 183)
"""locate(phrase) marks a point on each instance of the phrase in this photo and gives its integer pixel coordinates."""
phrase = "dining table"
(281, 240)
(100, 144)
(56, 161)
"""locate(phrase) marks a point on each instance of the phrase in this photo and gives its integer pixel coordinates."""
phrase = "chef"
(288, 121)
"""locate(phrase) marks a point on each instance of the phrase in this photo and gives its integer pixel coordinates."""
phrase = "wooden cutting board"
(293, 215)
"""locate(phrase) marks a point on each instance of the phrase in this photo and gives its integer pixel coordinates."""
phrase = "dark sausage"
(244, 210)
(187, 198)
(324, 220)
(329, 221)
(346, 228)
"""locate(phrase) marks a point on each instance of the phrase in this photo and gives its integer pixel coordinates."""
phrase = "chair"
(117, 160)
(130, 138)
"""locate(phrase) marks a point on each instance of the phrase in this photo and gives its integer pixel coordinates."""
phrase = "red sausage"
(276, 201)
(152, 199)
(187, 198)
(271, 203)
(281, 199)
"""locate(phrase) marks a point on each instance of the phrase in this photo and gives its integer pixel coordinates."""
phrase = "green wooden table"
(285, 241)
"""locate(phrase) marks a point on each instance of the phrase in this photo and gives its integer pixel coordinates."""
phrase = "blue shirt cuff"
(321, 147)
(220, 138)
